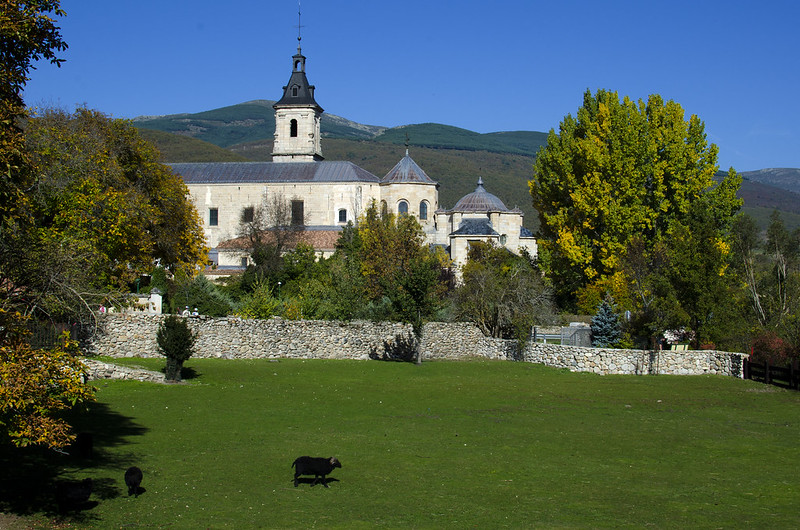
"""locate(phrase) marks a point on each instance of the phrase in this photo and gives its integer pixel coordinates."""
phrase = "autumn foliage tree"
(623, 175)
(36, 385)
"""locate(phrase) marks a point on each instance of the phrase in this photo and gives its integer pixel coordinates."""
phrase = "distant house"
(325, 195)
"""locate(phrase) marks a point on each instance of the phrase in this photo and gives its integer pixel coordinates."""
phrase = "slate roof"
(524, 232)
(271, 172)
(298, 80)
(479, 200)
(475, 227)
(407, 171)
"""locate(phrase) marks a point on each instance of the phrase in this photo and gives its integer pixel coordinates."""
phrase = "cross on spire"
(299, 26)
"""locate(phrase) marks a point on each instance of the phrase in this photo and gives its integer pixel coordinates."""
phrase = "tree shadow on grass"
(187, 373)
(31, 476)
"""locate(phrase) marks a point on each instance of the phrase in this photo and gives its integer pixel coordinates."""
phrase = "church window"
(402, 208)
(384, 209)
(342, 215)
(213, 217)
(294, 91)
(248, 214)
(298, 216)
(293, 129)
(423, 211)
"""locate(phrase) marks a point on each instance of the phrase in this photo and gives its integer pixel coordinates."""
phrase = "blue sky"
(487, 66)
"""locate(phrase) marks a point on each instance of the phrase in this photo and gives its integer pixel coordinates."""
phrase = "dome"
(480, 200)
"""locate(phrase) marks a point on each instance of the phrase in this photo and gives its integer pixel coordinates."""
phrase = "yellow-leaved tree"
(633, 175)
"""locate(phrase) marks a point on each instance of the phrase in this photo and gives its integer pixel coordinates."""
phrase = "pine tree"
(606, 328)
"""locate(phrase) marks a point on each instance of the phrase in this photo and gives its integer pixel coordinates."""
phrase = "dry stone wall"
(126, 335)
(121, 335)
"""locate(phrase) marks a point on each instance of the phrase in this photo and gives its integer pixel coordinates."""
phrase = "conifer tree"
(176, 343)
(606, 328)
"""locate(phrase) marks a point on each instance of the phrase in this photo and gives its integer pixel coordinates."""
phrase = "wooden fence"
(786, 377)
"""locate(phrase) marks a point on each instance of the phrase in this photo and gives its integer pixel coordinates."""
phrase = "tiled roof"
(271, 172)
(319, 237)
(407, 171)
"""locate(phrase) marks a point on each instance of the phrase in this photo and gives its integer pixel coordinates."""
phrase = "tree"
(398, 266)
(270, 229)
(770, 268)
(27, 34)
(503, 294)
(36, 385)
(606, 327)
(176, 343)
(621, 172)
(101, 211)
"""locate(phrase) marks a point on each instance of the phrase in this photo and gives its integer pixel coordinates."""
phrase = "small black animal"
(133, 479)
(73, 495)
(319, 467)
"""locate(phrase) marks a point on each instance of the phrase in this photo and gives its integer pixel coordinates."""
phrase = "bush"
(176, 343)
(768, 347)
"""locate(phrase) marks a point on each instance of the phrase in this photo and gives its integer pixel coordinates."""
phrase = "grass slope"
(441, 445)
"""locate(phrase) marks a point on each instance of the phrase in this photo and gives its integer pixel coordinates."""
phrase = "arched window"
(423, 211)
(384, 209)
(342, 215)
(293, 129)
(402, 208)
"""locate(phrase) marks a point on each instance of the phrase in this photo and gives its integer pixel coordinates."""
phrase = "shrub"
(768, 347)
(176, 343)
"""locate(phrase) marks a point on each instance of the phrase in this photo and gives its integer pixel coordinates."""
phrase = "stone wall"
(638, 362)
(101, 370)
(121, 335)
(126, 335)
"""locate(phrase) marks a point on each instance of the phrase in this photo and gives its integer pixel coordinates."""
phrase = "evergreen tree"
(176, 343)
(606, 328)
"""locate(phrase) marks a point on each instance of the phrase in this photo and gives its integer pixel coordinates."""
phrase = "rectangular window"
(247, 214)
(213, 217)
(244, 263)
(298, 217)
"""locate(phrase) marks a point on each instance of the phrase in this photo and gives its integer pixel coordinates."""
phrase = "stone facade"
(134, 335)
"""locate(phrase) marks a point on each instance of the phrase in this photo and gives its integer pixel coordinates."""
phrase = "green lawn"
(444, 444)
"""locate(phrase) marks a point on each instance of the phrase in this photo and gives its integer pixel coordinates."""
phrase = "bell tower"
(297, 118)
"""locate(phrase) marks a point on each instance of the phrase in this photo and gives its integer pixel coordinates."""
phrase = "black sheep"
(73, 495)
(319, 467)
(133, 479)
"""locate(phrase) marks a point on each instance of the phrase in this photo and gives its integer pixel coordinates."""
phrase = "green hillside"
(177, 148)
(440, 136)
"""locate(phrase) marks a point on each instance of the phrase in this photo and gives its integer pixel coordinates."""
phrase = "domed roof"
(406, 171)
(480, 200)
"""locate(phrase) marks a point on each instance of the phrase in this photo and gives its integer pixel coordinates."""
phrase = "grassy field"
(441, 445)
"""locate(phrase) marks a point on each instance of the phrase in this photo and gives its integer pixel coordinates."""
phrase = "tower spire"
(299, 26)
